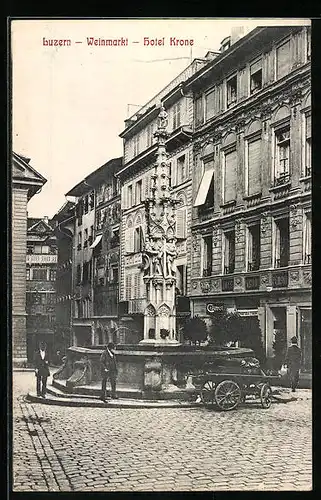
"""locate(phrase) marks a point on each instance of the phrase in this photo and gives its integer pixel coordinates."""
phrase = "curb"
(33, 398)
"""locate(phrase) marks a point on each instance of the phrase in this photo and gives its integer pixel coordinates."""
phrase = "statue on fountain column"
(152, 259)
(162, 119)
(171, 255)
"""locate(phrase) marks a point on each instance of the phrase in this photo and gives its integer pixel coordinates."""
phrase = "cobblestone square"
(177, 449)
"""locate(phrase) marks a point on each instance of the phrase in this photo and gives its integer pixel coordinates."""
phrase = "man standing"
(42, 372)
(293, 361)
(108, 370)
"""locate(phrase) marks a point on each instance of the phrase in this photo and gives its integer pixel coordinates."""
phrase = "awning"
(204, 187)
(97, 240)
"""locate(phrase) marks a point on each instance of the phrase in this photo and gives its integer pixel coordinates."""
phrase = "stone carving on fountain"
(160, 252)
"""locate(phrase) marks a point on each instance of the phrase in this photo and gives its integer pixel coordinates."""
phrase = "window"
(91, 235)
(229, 251)
(307, 145)
(209, 105)
(308, 43)
(181, 169)
(79, 240)
(207, 255)
(78, 274)
(209, 201)
(138, 194)
(199, 111)
(281, 242)
(79, 212)
(86, 272)
(256, 77)
(39, 274)
(282, 155)
(52, 275)
(85, 204)
(307, 238)
(149, 135)
(176, 115)
(28, 274)
(181, 285)
(114, 274)
(231, 91)
(204, 187)
(128, 286)
(85, 238)
(91, 201)
(253, 164)
(138, 239)
(136, 286)
(181, 223)
(229, 177)
(169, 174)
(130, 196)
(283, 60)
(136, 145)
(253, 247)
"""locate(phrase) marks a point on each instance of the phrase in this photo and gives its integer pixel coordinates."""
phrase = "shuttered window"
(181, 223)
(230, 176)
(128, 285)
(136, 286)
(210, 105)
(283, 60)
(176, 115)
(254, 167)
(205, 184)
(199, 111)
(129, 239)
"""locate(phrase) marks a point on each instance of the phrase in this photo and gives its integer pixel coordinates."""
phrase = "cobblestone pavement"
(100, 449)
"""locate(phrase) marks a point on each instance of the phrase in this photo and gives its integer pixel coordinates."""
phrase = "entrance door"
(279, 335)
(306, 338)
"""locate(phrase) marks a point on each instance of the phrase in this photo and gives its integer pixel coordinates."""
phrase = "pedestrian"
(293, 361)
(42, 372)
(108, 370)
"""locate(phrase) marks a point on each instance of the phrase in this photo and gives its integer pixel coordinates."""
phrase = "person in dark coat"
(41, 363)
(293, 362)
(109, 370)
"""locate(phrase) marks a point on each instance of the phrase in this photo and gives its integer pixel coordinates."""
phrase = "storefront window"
(306, 338)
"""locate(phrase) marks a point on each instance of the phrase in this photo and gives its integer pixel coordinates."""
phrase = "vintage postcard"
(161, 255)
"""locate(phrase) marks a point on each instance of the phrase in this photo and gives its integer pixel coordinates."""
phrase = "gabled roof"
(94, 178)
(24, 174)
(39, 225)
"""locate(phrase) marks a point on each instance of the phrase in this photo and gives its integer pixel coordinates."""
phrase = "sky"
(69, 103)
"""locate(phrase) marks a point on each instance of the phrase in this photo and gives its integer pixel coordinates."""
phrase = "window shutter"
(283, 60)
(181, 223)
(210, 105)
(308, 126)
(146, 187)
(230, 176)
(242, 86)
(218, 99)
(123, 197)
(254, 167)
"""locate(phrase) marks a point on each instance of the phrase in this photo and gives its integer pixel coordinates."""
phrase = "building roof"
(96, 177)
(24, 174)
(35, 222)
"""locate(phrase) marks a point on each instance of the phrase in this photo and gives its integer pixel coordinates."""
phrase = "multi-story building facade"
(135, 179)
(41, 267)
(26, 182)
(64, 231)
(95, 256)
(251, 219)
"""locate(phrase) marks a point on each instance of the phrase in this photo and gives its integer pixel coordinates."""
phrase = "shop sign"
(211, 308)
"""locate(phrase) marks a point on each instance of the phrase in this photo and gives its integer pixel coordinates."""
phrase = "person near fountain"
(41, 363)
(109, 371)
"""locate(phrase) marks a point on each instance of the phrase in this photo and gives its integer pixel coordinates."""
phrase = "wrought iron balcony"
(280, 279)
(229, 269)
(307, 258)
(227, 284)
(281, 179)
(253, 266)
(207, 271)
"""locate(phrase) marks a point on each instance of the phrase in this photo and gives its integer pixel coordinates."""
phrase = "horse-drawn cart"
(225, 385)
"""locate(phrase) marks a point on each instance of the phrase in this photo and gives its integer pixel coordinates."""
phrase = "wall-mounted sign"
(247, 312)
(211, 308)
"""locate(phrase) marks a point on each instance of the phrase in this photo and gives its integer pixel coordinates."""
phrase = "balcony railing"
(282, 262)
(229, 269)
(253, 266)
(307, 258)
(136, 306)
(252, 282)
(280, 279)
(281, 179)
(227, 284)
(207, 271)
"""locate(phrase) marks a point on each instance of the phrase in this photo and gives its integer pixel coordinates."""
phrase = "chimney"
(237, 32)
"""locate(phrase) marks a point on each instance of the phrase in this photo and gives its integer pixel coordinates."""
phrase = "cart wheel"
(266, 396)
(228, 395)
(208, 394)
